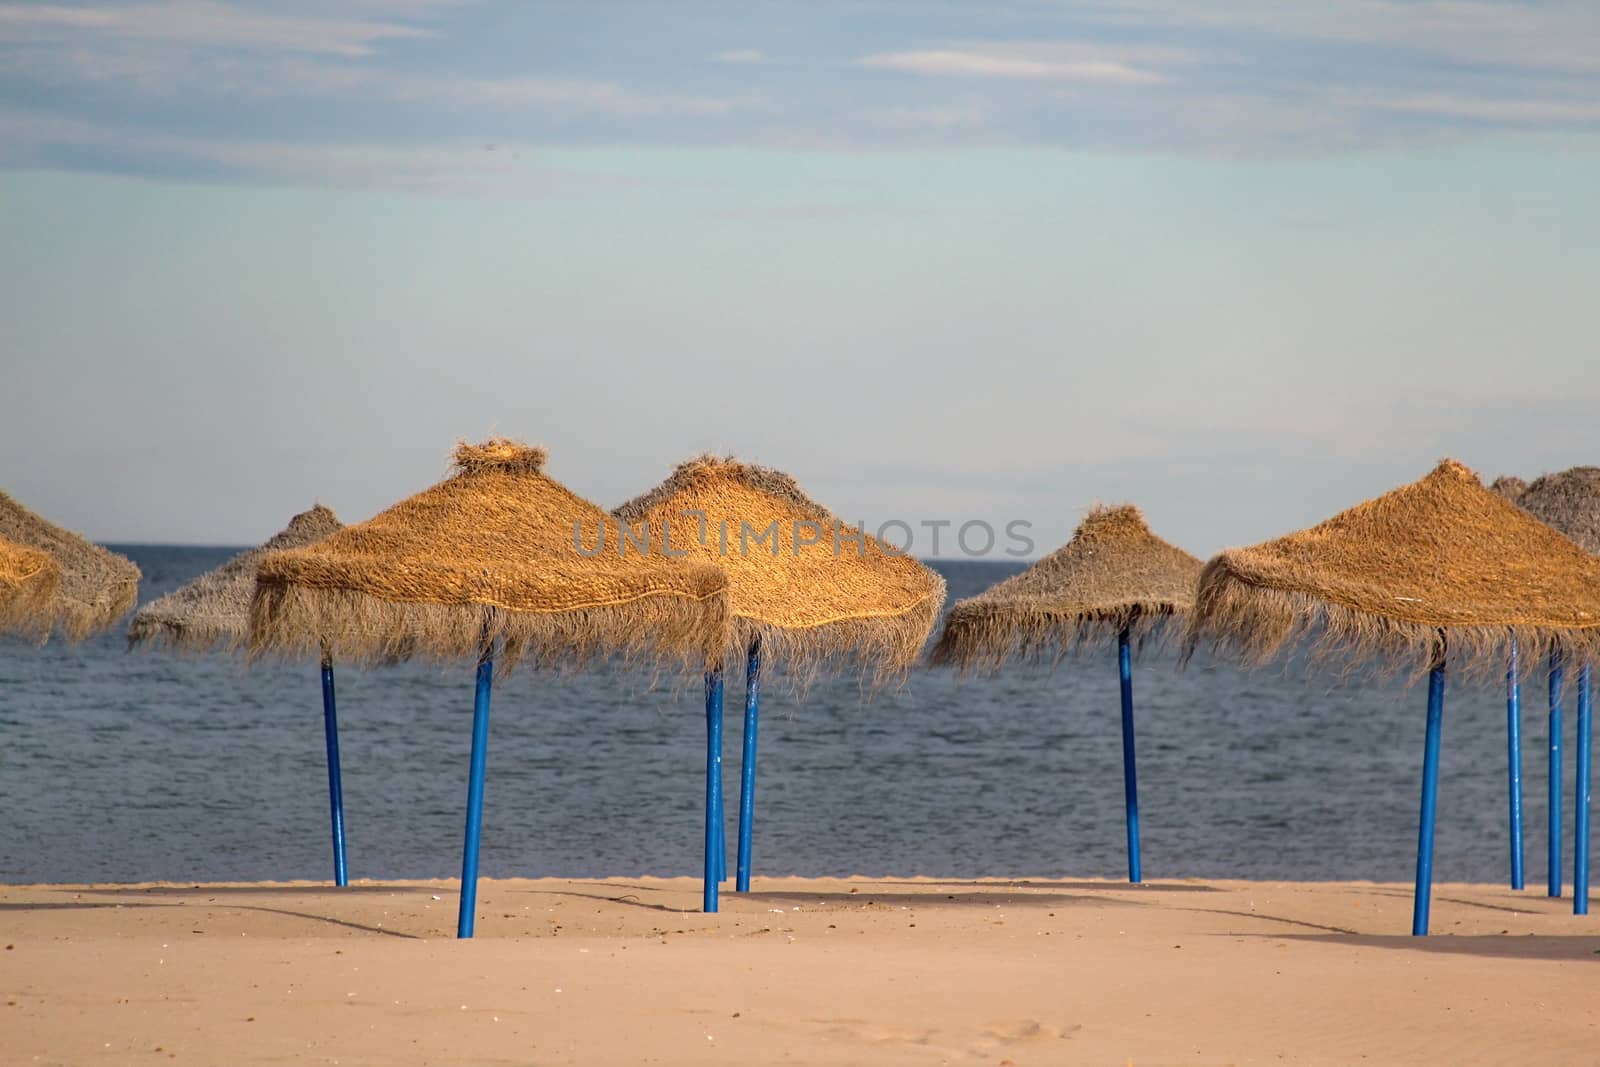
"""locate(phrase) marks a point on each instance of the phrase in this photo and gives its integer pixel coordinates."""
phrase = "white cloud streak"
(197, 23)
(1033, 62)
(744, 56)
(1555, 35)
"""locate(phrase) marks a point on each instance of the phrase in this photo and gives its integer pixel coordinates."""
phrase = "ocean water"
(122, 766)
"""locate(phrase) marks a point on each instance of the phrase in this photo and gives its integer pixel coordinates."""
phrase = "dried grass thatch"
(1568, 501)
(97, 587)
(489, 554)
(1113, 575)
(214, 609)
(1396, 578)
(1508, 487)
(29, 579)
(842, 599)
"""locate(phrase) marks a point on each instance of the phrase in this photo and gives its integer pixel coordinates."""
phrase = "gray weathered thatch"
(1113, 575)
(1568, 500)
(214, 609)
(97, 587)
(1508, 486)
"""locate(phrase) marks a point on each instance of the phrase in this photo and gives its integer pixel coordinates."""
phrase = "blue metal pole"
(747, 763)
(1556, 673)
(330, 728)
(713, 873)
(722, 815)
(1514, 762)
(1130, 771)
(1430, 801)
(480, 754)
(1580, 815)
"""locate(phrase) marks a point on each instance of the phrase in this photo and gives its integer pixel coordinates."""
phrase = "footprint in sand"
(1025, 1032)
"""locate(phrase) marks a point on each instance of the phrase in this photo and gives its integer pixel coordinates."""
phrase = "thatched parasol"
(818, 594)
(1113, 576)
(1440, 565)
(803, 588)
(490, 555)
(1114, 580)
(1568, 501)
(214, 611)
(29, 579)
(1390, 578)
(97, 587)
(1508, 486)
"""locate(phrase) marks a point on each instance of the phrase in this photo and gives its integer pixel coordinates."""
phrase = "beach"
(799, 971)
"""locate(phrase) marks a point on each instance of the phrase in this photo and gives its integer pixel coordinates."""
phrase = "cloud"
(924, 118)
(998, 61)
(198, 22)
(741, 55)
(1551, 35)
(1234, 78)
(1499, 110)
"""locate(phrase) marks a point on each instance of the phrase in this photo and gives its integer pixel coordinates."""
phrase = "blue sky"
(1242, 263)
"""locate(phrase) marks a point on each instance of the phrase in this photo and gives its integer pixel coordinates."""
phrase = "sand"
(802, 971)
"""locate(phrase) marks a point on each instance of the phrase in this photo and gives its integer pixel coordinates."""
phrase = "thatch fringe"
(29, 581)
(213, 610)
(663, 625)
(97, 586)
(1253, 625)
(981, 638)
(881, 648)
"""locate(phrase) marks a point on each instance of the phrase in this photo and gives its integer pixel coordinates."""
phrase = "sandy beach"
(801, 971)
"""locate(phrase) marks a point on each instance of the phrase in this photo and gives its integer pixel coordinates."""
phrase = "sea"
(119, 766)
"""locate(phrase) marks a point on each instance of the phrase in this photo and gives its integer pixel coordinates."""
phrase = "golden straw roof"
(28, 580)
(214, 609)
(1568, 500)
(1114, 574)
(97, 587)
(1390, 578)
(844, 597)
(490, 553)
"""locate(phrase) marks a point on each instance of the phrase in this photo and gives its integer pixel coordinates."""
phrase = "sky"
(1242, 263)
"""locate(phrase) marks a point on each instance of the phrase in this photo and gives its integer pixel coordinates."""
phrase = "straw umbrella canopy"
(803, 588)
(1568, 501)
(817, 593)
(1115, 581)
(1441, 568)
(1393, 579)
(1508, 486)
(28, 581)
(492, 555)
(96, 588)
(1114, 576)
(214, 610)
